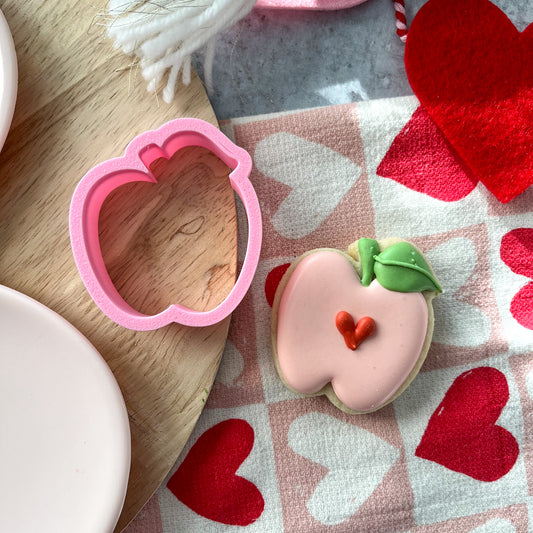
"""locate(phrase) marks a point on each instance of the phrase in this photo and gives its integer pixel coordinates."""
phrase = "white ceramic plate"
(64, 439)
(8, 79)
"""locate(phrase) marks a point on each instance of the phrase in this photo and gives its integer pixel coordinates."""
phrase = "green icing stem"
(391, 262)
(367, 250)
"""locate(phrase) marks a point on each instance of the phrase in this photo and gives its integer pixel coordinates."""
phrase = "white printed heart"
(458, 323)
(232, 366)
(309, 346)
(357, 461)
(319, 178)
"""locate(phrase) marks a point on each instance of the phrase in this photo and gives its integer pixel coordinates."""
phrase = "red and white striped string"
(401, 20)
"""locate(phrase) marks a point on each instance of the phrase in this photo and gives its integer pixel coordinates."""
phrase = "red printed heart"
(473, 71)
(272, 281)
(206, 481)
(516, 251)
(462, 434)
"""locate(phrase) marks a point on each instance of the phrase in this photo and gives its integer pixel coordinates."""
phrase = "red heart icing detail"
(462, 434)
(422, 159)
(365, 327)
(354, 334)
(206, 481)
(472, 70)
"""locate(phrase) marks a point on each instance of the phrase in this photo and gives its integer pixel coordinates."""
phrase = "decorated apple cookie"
(354, 326)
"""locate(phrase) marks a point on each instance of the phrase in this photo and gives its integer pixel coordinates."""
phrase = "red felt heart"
(422, 159)
(206, 481)
(462, 434)
(473, 71)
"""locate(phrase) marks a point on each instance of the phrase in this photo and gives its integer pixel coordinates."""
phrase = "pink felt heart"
(472, 71)
(312, 353)
(462, 433)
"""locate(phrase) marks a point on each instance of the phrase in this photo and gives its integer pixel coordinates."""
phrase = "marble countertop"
(275, 61)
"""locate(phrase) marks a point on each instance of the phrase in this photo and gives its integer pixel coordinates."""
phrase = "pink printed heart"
(311, 352)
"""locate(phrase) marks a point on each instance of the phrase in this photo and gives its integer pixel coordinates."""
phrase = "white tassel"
(164, 35)
(209, 60)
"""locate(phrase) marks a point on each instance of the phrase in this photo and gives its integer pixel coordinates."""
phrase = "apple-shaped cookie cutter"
(99, 182)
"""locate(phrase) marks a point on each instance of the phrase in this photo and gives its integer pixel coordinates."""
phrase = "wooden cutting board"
(80, 103)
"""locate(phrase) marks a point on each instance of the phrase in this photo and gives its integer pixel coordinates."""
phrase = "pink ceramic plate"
(65, 445)
(8, 78)
(319, 5)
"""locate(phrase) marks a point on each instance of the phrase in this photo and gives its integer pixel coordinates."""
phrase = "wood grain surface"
(80, 103)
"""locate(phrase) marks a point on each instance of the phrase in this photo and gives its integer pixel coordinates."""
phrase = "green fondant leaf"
(368, 248)
(402, 268)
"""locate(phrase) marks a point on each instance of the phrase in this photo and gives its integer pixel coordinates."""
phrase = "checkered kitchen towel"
(262, 459)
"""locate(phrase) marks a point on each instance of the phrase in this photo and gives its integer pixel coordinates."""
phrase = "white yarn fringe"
(164, 34)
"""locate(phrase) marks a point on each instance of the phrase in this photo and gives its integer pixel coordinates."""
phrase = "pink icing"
(311, 351)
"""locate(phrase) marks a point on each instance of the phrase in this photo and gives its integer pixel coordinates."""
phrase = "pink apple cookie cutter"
(99, 182)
